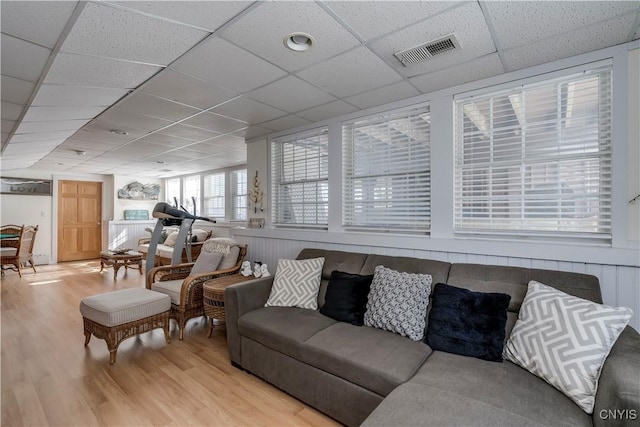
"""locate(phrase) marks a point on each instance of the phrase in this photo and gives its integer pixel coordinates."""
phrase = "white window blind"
(299, 176)
(214, 195)
(386, 171)
(190, 188)
(536, 159)
(239, 195)
(172, 191)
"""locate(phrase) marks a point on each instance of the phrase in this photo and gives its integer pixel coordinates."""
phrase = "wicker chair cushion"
(171, 288)
(124, 306)
(7, 251)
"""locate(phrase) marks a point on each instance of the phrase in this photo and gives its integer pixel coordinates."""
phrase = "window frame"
(604, 159)
(406, 129)
(307, 184)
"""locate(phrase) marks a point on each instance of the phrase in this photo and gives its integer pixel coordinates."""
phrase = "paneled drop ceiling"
(184, 83)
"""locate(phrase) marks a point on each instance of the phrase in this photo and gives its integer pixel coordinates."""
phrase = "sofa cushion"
(169, 287)
(565, 340)
(206, 262)
(296, 283)
(284, 329)
(346, 297)
(171, 239)
(468, 323)
(512, 392)
(371, 358)
(348, 262)
(398, 302)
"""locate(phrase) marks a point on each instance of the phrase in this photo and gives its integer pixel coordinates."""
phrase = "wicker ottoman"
(116, 316)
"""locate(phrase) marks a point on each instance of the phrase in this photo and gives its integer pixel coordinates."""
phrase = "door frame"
(107, 207)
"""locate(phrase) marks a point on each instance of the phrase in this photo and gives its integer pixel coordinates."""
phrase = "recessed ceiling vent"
(427, 50)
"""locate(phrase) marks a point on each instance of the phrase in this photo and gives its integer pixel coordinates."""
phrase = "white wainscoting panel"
(620, 284)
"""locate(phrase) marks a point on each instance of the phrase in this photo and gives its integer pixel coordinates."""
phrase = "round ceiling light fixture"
(119, 132)
(299, 42)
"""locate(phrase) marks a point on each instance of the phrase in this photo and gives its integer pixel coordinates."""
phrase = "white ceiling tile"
(33, 137)
(284, 123)
(80, 70)
(162, 139)
(578, 41)
(189, 132)
(37, 21)
(50, 126)
(15, 90)
(518, 23)
(326, 111)
(215, 122)
(291, 94)
(148, 105)
(115, 33)
(10, 111)
(54, 95)
(252, 132)
(4, 136)
(7, 126)
(240, 70)
(353, 72)
(22, 59)
(38, 114)
(248, 110)
(117, 118)
(384, 95)
(262, 31)
(388, 15)
(466, 22)
(178, 87)
(209, 15)
(477, 69)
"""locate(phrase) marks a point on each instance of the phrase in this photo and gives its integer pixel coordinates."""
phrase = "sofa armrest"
(618, 396)
(240, 299)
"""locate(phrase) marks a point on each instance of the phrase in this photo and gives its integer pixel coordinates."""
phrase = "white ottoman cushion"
(127, 305)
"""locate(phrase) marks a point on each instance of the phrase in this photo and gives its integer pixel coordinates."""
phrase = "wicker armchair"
(189, 303)
(16, 252)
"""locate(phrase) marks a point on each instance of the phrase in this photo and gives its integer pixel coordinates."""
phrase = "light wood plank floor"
(49, 378)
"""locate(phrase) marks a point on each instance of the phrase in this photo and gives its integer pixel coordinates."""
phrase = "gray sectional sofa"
(363, 375)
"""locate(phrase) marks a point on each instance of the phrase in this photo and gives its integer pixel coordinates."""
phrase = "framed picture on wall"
(25, 186)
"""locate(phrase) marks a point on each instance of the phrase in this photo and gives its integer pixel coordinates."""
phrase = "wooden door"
(79, 220)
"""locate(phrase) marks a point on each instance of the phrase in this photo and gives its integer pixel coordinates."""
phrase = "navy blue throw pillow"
(467, 323)
(346, 297)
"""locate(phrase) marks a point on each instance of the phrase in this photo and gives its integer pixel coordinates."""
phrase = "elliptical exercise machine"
(167, 216)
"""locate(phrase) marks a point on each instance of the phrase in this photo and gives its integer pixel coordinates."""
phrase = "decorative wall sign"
(25, 186)
(138, 191)
(256, 194)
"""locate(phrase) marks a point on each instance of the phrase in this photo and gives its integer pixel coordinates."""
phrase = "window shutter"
(386, 171)
(214, 197)
(536, 159)
(239, 195)
(299, 176)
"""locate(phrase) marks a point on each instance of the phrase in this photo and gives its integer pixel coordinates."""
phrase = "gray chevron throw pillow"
(565, 340)
(296, 283)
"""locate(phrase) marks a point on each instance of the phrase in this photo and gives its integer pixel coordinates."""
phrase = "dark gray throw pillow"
(467, 323)
(346, 297)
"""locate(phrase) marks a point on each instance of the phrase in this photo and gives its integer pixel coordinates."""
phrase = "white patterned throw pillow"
(398, 302)
(296, 283)
(565, 340)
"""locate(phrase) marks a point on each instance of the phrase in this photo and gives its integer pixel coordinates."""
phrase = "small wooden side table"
(213, 293)
(131, 259)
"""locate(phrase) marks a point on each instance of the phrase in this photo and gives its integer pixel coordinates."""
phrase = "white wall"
(119, 205)
(617, 266)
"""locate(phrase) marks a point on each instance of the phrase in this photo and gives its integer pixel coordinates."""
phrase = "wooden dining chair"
(17, 251)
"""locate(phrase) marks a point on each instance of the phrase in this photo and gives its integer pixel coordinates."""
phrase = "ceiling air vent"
(427, 50)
